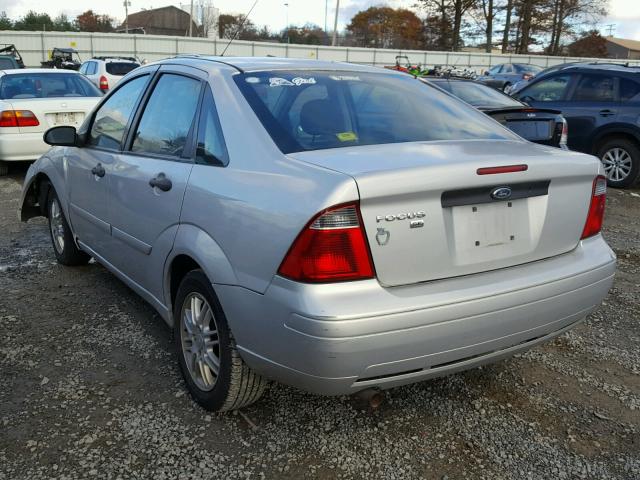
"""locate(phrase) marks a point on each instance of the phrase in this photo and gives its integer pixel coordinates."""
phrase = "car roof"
(609, 66)
(37, 70)
(254, 64)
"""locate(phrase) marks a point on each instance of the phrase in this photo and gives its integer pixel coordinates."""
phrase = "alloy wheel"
(56, 223)
(617, 164)
(200, 341)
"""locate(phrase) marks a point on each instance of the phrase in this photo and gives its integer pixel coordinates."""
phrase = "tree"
(5, 22)
(92, 22)
(62, 24)
(451, 14)
(308, 34)
(228, 25)
(207, 17)
(385, 27)
(34, 21)
(569, 16)
(591, 44)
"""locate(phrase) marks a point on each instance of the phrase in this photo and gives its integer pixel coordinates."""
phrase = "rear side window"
(111, 119)
(595, 88)
(629, 90)
(168, 116)
(92, 67)
(7, 63)
(46, 85)
(211, 147)
(120, 68)
(312, 110)
(548, 90)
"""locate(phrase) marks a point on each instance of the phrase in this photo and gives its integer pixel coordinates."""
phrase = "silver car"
(330, 226)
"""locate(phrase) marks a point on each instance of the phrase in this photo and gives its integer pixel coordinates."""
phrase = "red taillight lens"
(18, 118)
(331, 248)
(104, 83)
(565, 133)
(593, 225)
(504, 169)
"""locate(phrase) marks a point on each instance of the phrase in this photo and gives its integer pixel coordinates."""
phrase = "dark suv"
(601, 103)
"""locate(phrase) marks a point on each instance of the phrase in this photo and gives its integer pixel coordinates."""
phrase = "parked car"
(539, 125)
(342, 248)
(105, 72)
(506, 74)
(10, 57)
(519, 85)
(601, 103)
(31, 101)
(62, 58)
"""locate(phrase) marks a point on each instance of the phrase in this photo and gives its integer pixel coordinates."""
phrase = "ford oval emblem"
(501, 193)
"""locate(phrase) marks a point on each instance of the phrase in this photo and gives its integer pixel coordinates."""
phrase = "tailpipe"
(370, 398)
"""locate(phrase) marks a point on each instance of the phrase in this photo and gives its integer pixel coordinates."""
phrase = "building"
(622, 48)
(160, 21)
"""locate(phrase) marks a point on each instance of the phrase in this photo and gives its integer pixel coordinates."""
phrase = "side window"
(211, 147)
(495, 70)
(168, 116)
(507, 68)
(111, 119)
(629, 90)
(595, 88)
(548, 90)
(91, 68)
(83, 68)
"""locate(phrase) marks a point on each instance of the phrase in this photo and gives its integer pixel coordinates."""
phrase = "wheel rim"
(617, 164)
(200, 342)
(56, 224)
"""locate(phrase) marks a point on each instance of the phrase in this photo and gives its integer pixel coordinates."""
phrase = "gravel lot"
(89, 389)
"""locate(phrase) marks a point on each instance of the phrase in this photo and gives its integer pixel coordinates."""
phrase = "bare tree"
(208, 17)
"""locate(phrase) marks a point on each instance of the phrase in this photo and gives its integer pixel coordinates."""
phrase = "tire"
(505, 86)
(64, 245)
(621, 160)
(4, 168)
(207, 342)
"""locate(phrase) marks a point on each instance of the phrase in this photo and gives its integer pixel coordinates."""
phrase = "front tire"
(216, 376)
(64, 245)
(621, 160)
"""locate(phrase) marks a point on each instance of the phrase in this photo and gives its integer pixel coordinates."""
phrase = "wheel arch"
(612, 132)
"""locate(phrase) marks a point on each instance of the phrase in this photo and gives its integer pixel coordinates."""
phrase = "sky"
(625, 14)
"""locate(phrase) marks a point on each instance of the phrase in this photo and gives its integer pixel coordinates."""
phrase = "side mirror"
(486, 72)
(61, 136)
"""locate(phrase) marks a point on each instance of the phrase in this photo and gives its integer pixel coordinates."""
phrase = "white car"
(32, 100)
(105, 72)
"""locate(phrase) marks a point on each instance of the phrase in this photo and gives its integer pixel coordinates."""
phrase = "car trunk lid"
(53, 112)
(428, 214)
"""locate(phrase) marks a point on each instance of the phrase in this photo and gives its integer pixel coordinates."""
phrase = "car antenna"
(239, 29)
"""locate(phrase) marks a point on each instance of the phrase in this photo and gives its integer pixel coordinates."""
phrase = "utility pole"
(127, 4)
(326, 11)
(286, 26)
(611, 27)
(191, 20)
(335, 24)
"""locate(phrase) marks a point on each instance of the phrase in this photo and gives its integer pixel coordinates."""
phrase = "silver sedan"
(330, 226)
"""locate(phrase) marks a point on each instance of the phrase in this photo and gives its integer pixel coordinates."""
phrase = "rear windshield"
(120, 68)
(7, 63)
(46, 85)
(524, 68)
(478, 95)
(313, 110)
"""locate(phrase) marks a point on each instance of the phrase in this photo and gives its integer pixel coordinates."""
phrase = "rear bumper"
(341, 338)
(15, 147)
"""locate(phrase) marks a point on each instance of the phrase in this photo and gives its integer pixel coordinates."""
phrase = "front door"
(150, 177)
(90, 168)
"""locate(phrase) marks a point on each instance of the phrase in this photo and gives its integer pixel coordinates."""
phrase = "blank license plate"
(491, 230)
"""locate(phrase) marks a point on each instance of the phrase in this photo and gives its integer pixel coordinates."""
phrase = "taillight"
(18, 118)
(104, 83)
(331, 248)
(565, 133)
(593, 225)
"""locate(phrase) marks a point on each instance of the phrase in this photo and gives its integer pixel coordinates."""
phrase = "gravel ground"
(89, 389)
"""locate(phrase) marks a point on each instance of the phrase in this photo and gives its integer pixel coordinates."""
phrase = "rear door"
(592, 104)
(90, 167)
(149, 178)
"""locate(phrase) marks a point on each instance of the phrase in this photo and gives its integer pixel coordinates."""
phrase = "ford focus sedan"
(35, 99)
(290, 224)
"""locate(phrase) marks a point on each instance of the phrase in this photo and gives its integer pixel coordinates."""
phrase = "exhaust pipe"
(369, 398)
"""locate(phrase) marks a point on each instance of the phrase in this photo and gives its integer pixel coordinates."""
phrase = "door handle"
(161, 182)
(607, 113)
(98, 170)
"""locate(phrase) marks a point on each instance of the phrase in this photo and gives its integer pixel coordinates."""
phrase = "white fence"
(35, 47)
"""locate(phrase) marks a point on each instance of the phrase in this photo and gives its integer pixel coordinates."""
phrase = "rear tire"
(216, 376)
(505, 87)
(64, 245)
(4, 168)
(620, 158)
